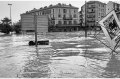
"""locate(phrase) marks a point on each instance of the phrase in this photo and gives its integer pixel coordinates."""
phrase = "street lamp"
(10, 13)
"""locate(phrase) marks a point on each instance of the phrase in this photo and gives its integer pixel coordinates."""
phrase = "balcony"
(91, 11)
(90, 20)
(90, 16)
(91, 6)
(67, 18)
(53, 18)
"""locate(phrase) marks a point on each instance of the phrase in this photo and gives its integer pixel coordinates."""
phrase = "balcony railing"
(67, 18)
(53, 18)
(91, 16)
(90, 11)
(90, 20)
(91, 6)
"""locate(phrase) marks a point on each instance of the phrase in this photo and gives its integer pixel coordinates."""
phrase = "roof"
(113, 2)
(59, 5)
(94, 2)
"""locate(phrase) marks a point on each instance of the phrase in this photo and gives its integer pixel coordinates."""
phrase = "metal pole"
(85, 20)
(10, 13)
(35, 24)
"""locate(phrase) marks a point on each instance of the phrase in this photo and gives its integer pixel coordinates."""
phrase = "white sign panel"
(42, 24)
(28, 23)
(111, 28)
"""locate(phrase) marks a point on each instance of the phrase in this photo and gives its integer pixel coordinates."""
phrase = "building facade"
(113, 6)
(80, 18)
(92, 12)
(61, 17)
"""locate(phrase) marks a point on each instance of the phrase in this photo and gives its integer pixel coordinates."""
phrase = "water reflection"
(95, 63)
(37, 65)
(67, 52)
(113, 68)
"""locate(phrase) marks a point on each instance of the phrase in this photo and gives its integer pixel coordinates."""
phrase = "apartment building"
(80, 18)
(61, 17)
(92, 12)
(113, 6)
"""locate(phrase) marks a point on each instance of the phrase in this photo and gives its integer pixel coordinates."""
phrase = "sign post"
(35, 24)
(85, 19)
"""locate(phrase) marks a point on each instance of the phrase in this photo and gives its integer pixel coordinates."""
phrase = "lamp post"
(10, 13)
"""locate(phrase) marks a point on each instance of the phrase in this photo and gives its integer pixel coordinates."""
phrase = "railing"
(91, 6)
(91, 16)
(90, 20)
(53, 18)
(67, 18)
(91, 11)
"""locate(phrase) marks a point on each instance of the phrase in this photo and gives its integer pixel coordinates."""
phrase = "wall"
(109, 7)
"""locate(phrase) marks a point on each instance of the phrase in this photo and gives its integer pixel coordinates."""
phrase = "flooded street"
(69, 55)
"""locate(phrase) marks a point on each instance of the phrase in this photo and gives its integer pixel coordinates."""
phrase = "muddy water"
(69, 55)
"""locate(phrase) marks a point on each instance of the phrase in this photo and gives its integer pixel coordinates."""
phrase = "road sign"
(111, 28)
(37, 23)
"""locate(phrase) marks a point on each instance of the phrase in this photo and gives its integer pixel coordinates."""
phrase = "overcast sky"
(21, 6)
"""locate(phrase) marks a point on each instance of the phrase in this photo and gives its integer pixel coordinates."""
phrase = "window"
(36, 13)
(32, 13)
(64, 11)
(75, 22)
(65, 22)
(43, 13)
(70, 16)
(53, 22)
(75, 16)
(99, 5)
(59, 10)
(39, 13)
(103, 5)
(53, 17)
(53, 11)
(59, 22)
(119, 7)
(64, 16)
(99, 14)
(59, 15)
(92, 10)
(49, 11)
(70, 22)
(69, 11)
(92, 5)
(74, 11)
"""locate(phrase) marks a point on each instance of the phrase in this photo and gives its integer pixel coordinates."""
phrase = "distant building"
(95, 11)
(113, 6)
(61, 17)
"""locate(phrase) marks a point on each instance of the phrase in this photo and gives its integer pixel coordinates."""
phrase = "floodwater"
(69, 55)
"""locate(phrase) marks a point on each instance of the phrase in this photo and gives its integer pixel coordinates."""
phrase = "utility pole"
(10, 13)
(85, 19)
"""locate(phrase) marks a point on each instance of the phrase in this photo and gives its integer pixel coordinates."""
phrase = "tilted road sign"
(111, 28)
